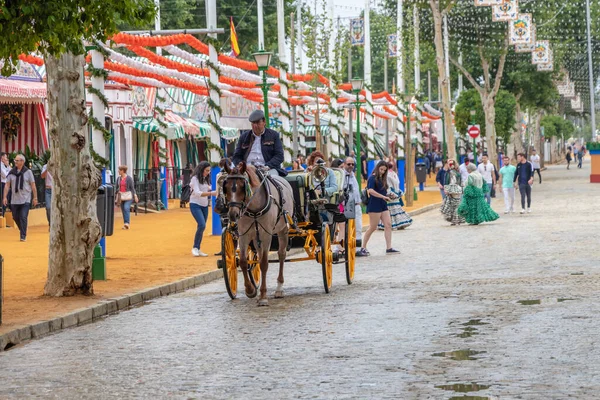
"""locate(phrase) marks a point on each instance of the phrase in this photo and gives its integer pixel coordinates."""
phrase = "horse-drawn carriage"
(323, 226)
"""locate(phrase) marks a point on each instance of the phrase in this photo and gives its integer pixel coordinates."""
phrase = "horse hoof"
(263, 302)
(279, 294)
(251, 295)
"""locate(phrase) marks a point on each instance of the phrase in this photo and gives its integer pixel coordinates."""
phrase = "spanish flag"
(235, 48)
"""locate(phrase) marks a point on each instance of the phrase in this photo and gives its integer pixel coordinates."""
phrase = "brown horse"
(258, 209)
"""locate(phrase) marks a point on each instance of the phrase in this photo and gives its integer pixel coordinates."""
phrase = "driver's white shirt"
(256, 157)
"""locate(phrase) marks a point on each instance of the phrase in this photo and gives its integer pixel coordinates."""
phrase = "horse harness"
(270, 199)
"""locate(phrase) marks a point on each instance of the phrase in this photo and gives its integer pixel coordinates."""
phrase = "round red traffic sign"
(474, 131)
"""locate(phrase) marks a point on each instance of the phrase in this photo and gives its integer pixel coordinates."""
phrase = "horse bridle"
(242, 205)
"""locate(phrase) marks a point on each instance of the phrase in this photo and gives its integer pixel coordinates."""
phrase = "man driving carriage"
(260, 146)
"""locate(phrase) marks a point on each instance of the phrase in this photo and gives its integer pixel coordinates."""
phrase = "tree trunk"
(443, 78)
(490, 127)
(516, 139)
(74, 231)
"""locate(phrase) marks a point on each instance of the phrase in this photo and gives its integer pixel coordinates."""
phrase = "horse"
(259, 206)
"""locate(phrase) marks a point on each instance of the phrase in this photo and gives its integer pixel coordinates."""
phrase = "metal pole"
(261, 26)
(591, 71)
(358, 157)
(417, 50)
(385, 87)
(409, 161)
(400, 39)
(295, 148)
(299, 29)
(444, 147)
(157, 23)
(350, 137)
(447, 52)
(265, 90)
(429, 85)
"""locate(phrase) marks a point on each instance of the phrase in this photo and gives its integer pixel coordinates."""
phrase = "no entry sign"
(474, 131)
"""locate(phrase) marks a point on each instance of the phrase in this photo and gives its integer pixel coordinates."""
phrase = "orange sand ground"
(155, 251)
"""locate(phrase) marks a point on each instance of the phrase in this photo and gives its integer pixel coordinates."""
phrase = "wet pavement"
(500, 311)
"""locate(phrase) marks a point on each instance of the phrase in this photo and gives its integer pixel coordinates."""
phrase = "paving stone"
(84, 316)
(99, 310)
(70, 320)
(40, 329)
(151, 294)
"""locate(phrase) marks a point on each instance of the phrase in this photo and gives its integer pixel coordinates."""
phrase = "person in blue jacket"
(260, 146)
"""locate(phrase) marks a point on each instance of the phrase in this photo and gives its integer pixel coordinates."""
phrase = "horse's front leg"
(281, 252)
(250, 289)
(263, 253)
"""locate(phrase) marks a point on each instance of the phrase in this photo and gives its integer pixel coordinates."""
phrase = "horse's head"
(235, 189)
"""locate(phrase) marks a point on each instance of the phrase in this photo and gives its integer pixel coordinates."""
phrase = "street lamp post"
(357, 85)
(263, 59)
(473, 112)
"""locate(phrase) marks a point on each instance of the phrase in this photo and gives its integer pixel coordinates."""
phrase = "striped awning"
(203, 129)
(187, 125)
(174, 131)
(146, 125)
(230, 133)
(311, 130)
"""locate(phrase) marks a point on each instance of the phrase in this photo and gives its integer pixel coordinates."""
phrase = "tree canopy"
(27, 26)
(505, 113)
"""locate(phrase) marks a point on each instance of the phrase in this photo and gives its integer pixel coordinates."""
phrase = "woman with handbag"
(125, 194)
(400, 218)
(377, 188)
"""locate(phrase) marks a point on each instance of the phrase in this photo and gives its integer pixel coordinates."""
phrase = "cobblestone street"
(503, 310)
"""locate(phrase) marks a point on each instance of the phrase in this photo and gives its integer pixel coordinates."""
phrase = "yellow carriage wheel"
(350, 249)
(254, 268)
(326, 257)
(230, 273)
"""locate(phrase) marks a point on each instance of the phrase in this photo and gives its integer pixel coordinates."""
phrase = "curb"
(102, 309)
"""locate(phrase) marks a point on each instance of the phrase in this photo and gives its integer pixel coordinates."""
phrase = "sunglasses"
(350, 165)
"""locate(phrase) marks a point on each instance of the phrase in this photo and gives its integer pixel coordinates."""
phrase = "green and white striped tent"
(174, 131)
(311, 130)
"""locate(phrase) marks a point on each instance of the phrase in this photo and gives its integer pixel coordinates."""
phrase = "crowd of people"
(466, 189)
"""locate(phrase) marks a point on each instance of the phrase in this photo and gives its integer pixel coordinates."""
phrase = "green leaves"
(28, 25)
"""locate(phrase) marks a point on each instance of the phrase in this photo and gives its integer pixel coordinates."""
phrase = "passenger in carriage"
(260, 146)
(330, 186)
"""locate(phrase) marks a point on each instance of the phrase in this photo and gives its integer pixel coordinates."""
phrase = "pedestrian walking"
(569, 158)
(488, 172)
(439, 164)
(580, 154)
(440, 179)
(126, 195)
(473, 207)
(377, 209)
(21, 185)
(199, 200)
(524, 178)
(453, 190)
(507, 176)
(464, 173)
(4, 170)
(48, 191)
(400, 218)
(535, 164)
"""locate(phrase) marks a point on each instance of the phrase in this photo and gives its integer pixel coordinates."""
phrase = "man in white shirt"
(4, 170)
(486, 169)
(260, 146)
(535, 164)
(48, 192)
(464, 173)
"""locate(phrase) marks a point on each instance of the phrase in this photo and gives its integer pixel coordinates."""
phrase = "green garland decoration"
(212, 146)
(159, 110)
(283, 82)
(215, 107)
(98, 94)
(100, 48)
(99, 161)
(160, 98)
(214, 87)
(97, 72)
(96, 124)
(214, 67)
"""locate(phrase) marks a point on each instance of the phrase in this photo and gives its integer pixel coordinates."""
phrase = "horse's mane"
(252, 176)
